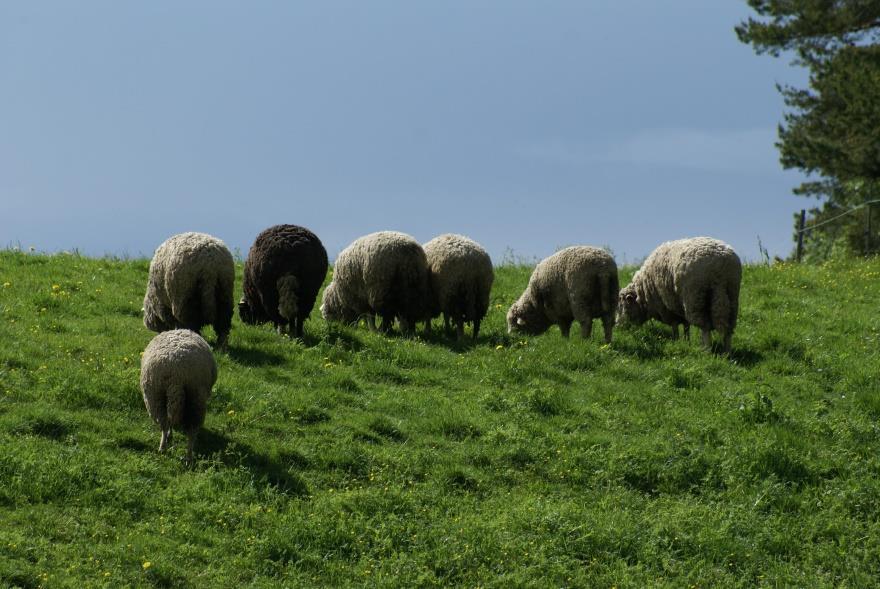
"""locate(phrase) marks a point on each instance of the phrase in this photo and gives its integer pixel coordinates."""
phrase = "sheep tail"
(720, 307)
(605, 293)
(208, 300)
(287, 300)
(175, 404)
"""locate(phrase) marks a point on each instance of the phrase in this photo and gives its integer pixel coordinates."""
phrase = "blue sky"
(525, 125)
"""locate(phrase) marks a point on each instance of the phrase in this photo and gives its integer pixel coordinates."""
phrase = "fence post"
(800, 248)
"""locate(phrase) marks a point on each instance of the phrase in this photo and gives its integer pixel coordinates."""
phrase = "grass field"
(361, 460)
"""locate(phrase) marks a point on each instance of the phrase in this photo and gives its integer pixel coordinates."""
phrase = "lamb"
(577, 283)
(690, 282)
(384, 274)
(284, 270)
(190, 285)
(177, 373)
(461, 276)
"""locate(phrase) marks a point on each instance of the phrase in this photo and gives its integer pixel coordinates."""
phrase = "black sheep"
(282, 275)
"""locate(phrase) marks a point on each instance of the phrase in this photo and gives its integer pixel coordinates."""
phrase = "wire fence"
(803, 229)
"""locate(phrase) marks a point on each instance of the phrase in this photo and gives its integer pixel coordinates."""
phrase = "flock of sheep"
(390, 275)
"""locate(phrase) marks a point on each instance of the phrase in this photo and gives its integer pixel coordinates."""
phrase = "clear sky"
(525, 125)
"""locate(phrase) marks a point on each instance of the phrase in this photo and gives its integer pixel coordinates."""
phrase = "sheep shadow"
(234, 454)
(339, 336)
(440, 337)
(254, 356)
(745, 357)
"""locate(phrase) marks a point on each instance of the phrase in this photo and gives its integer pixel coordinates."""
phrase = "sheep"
(284, 270)
(190, 285)
(384, 274)
(577, 283)
(692, 281)
(177, 373)
(461, 276)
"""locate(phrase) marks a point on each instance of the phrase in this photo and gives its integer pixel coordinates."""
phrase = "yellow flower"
(7, 284)
(499, 347)
(328, 365)
(56, 287)
(147, 565)
(231, 412)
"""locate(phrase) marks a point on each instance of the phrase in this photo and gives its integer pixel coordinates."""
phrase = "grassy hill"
(358, 459)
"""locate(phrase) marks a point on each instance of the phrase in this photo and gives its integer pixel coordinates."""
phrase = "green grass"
(363, 460)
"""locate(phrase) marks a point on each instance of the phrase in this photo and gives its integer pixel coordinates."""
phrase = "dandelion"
(147, 564)
(231, 412)
(56, 287)
(328, 365)
(7, 284)
(499, 347)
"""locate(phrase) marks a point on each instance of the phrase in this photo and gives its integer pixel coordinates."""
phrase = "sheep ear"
(520, 321)
(630, 297)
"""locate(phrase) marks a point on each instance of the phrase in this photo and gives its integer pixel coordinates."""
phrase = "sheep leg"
(707, 338)
(190, 444)
(476, 328)
(608, 326)
(166, 439)
(459, 329)
(727, 337)
(447, 324)
(565, 328)
(407, 327)
(586, 327)
(687, 331)
(386, 325)
(371, 322)
(675, 331)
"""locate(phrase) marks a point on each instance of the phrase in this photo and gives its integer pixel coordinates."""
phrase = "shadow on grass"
(644, 345)
(337, 336)
(745, 357)
(254, 356)
(275, 470)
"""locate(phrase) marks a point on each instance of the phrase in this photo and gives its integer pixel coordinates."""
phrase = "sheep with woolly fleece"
(190, 285)
(461, 277)
(283, 273)
(383, 273)
(178, 372)
(578, 283)
(687, 282)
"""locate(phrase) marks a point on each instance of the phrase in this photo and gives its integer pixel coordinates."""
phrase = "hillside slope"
(359, 459)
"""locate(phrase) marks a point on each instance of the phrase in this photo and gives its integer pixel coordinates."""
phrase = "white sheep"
(692, 281)
(578, 283)
(461, 277)
(190, 285)
(178, 372)
(384, 274)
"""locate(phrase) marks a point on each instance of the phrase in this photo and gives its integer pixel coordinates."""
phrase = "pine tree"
(832, 131)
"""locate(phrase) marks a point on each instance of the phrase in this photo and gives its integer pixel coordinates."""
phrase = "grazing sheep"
(283, 273)
(578, 283)
(384, 274)
(690, 282)
(177, 373)
(190, 285)
(461, 277)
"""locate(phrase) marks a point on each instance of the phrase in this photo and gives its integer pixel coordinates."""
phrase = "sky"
(525, 125)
